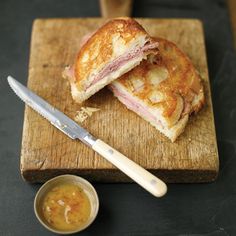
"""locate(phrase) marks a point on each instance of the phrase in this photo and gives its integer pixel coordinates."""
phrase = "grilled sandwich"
(114, 49)
(164, 90)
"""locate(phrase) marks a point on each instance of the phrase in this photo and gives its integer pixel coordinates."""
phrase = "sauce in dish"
(66, 207)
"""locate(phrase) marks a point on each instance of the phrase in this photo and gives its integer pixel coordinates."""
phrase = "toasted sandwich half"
(114, 49)
(164, 90)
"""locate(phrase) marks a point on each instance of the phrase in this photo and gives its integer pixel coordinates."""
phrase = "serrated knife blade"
(53, 115)
(144, 178)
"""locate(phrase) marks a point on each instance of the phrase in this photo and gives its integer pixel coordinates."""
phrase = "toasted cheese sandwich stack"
(114, 49)
(164, 90)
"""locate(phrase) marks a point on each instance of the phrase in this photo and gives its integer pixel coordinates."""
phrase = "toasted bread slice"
(114, 49)
(164, 90)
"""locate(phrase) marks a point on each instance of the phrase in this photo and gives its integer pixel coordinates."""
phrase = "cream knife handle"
(144, 178)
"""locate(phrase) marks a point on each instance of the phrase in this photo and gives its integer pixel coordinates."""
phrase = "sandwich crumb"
(84, 113)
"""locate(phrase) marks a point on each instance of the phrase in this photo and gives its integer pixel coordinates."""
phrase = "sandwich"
(114, 49)
(164, 90)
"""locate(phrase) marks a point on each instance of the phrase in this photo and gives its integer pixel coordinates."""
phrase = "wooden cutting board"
(47, 152)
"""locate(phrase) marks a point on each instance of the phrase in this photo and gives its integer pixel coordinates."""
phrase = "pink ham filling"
(134, 106)
(120, 61)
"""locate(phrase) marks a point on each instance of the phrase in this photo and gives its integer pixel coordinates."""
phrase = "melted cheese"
(119, 46)
(157, 75)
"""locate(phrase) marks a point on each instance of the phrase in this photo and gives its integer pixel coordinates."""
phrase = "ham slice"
(122, 60)
(131, 104)
(114, 65)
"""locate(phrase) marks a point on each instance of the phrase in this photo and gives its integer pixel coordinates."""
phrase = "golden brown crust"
(180, 80)
(98, 49)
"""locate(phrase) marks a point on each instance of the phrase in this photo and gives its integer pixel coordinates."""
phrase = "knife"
(144, 178)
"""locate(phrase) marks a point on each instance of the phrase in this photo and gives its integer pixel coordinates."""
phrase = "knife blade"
(144, 178)
(53, 115)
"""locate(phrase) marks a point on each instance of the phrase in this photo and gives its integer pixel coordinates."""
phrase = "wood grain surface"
(47, 152)
(117, 8)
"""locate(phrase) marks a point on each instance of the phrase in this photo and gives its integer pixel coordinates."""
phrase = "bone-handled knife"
(144, 178)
